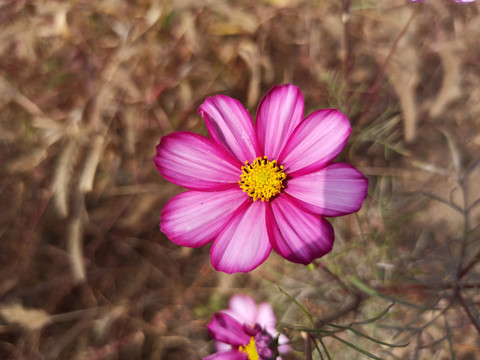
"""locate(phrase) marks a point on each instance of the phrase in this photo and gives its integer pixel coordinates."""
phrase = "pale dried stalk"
(401, 65)
(62, 177)
(52, 131)
(75, 250)
(409, 108)
(21, 99)
(91, 163)
(450, 89)
(129, 131)
(250, 54)
(27, 161)
(74, 240)
(403, 72)
(104, 324)
(29, 319)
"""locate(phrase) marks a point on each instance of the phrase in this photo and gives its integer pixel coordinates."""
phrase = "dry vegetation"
(87, 89)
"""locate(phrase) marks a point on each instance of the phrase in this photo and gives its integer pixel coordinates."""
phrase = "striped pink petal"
(335, 190)
(195, 218)
(296, 234)
(230, 125)
(243, 244)
(226, 329)
(196, 162)
(278, 114)
(316, 142)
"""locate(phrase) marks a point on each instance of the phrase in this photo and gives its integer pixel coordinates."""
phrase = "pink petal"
(194, 218)
(243, 309)
(335, 190)
(278, 114)
(230, 125)
(243, 244)
(266, 318)
(227, 355)
(296, 234)
(316, 142)
(224, 328)
(283, 344)
(196, 162)
(220, 346)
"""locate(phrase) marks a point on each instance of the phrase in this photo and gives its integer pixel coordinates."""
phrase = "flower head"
(258, 186)
(246, 331)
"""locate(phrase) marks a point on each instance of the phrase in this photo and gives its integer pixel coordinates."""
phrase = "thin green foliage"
(300, 306)
(353, 346)
(322, 332)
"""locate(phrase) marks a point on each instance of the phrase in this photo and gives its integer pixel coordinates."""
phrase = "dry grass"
(87, 89)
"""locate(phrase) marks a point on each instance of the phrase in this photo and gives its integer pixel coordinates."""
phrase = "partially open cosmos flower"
(258, 186)
(246, 331)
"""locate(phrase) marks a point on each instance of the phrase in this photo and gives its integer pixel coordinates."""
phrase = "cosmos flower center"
(262, 179)
(250, 350)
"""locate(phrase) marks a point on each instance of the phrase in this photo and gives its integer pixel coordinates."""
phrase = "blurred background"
(87, 89)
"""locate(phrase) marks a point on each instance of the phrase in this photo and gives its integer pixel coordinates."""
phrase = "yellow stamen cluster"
(262, 179)
(250, 350)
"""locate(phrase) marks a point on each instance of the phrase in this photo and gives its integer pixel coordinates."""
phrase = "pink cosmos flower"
(246, 331)
(258, 186)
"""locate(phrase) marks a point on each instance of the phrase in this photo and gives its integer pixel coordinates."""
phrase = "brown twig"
(475, 321)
